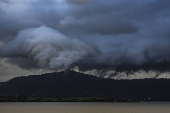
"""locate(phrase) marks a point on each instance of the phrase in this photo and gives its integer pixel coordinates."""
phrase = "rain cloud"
(125, 35)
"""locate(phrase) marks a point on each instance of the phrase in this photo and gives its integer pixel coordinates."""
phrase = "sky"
(119, 39)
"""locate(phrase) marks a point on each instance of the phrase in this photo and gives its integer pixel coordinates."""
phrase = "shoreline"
(72, 99)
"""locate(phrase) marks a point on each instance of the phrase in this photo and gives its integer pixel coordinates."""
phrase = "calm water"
(85, 107)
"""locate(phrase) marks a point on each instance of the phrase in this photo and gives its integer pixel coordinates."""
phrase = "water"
(69, 107)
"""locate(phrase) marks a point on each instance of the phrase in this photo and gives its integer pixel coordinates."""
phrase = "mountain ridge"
(73, 84)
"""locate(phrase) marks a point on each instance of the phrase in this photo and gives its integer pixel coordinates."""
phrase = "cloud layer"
(47, 47)
(124, 35)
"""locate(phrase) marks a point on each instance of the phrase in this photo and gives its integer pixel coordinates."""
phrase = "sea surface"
(86, 107)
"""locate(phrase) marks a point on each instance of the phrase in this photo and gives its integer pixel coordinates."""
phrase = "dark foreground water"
(69, 107)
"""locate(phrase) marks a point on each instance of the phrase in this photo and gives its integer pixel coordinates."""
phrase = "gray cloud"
(23, 63)
(46, 46)
(95, 33)
(78, 1)
(9, 71)
(110, 25)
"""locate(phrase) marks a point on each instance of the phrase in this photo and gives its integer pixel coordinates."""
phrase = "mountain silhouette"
(71, 83)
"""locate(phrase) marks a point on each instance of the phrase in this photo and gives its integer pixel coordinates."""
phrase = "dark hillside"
(76, 84)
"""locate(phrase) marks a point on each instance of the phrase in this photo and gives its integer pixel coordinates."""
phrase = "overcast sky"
(121, 37)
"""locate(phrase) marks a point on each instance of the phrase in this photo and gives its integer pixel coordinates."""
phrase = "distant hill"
(73, 84)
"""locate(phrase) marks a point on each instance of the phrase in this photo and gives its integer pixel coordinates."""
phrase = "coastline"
(62, 99)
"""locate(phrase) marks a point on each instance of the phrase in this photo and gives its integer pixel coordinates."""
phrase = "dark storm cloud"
(110, 25)
(63, 33)
(78, 1)
(46, 46)
(22, 63)
(18, 15)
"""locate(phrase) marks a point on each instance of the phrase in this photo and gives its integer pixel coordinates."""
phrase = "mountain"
(72, 83)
